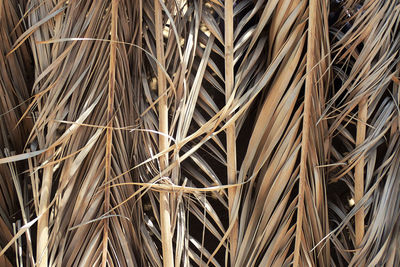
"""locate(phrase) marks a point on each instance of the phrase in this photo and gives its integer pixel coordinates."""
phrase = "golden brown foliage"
(206, 132)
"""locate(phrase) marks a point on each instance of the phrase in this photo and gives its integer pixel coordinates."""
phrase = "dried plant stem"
(43, 222)
(165, 216)
(359, 171)
(230, 131)
(110, 108)
(311, 61)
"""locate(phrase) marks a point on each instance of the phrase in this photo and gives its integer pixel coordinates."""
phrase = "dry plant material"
(199, 133)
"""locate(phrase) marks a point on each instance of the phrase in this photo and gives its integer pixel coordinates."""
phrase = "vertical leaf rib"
(165, 216)
(230, 131)
(43, 222)
(312, 9)
(359, 171)
(110, 108)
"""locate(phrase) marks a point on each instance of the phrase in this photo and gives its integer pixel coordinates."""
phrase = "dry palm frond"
(15, 80)
(181, 133)
(366, 47)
